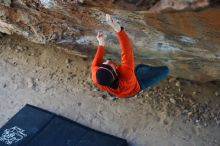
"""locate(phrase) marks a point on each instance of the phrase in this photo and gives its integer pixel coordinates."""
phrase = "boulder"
(182, 34)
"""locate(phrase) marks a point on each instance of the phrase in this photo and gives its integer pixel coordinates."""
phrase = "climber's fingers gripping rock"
(101, 37)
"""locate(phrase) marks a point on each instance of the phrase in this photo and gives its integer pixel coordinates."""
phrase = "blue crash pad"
(33, 126)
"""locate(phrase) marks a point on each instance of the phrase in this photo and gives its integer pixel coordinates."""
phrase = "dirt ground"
(176, 112)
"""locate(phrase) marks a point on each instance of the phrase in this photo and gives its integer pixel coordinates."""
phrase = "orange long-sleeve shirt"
(128, 84)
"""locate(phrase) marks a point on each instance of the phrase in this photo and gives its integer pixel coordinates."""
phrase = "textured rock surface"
(175, 112)
(186, 41)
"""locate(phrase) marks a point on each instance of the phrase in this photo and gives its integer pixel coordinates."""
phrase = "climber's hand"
(113, 23)
(101, 37)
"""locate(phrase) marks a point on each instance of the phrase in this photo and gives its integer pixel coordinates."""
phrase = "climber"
(123, 80)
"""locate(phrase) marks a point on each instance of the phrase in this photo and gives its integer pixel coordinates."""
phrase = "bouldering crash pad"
(33, 126)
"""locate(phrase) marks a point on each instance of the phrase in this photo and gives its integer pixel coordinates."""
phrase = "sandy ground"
(176, 112)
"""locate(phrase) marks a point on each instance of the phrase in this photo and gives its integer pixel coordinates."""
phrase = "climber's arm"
(127, 56)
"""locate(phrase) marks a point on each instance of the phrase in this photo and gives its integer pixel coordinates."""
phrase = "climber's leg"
(148, 76)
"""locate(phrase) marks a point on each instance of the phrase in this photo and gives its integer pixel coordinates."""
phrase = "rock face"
(187, 41)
